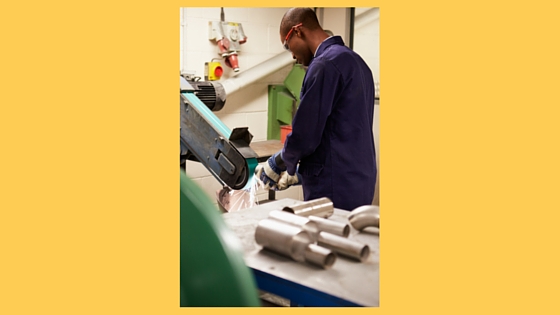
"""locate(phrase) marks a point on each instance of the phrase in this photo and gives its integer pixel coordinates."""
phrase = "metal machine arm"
(224, 152)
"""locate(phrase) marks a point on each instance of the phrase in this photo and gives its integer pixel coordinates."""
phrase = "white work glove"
(270, 172)
(267, 176)
(286, 180)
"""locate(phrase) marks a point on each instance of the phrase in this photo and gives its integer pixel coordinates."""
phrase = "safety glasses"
(288, 36)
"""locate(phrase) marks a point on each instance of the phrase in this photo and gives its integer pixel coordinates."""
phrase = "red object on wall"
(284, 131)
(230, 57)
(218, 71)
(232, 62)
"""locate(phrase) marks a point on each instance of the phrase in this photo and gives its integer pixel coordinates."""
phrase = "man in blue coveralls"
(330, 150)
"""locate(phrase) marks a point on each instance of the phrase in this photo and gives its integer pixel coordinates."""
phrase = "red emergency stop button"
(218, 71)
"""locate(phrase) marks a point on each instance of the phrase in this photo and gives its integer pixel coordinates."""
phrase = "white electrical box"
(230, 30)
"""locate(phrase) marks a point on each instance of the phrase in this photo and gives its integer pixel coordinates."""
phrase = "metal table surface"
(266, 149)
(346, 283)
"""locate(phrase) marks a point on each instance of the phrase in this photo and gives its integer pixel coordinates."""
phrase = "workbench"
(346, 283)
(265, 149)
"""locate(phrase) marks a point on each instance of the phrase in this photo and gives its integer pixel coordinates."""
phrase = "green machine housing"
(283, 101)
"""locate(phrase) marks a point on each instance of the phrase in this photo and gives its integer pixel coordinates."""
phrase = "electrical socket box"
(231, 30)
(213, 71)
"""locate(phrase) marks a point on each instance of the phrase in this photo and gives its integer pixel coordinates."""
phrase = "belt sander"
(205, 138)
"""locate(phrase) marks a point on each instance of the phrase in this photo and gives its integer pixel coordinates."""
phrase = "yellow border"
(89, 183)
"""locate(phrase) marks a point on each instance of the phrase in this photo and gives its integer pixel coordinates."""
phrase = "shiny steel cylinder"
(320, 256)
(364, 216)
(302, 222)
(344, 246)
(331, 226)
(322, 207)
(282, 238)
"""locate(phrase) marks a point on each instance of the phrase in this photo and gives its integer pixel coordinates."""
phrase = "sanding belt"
(223, 129)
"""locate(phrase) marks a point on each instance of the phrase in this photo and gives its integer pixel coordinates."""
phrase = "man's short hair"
(299, 15)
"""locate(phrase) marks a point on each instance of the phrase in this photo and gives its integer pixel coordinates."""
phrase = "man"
(332, 138)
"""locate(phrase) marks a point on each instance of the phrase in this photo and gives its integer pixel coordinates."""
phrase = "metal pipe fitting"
(331, 226)
(344, 246)
(320, 256)
(364, 216)
(282, 238)
(302, 222)
(322, 207)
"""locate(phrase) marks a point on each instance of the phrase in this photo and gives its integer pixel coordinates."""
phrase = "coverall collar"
(329, 41)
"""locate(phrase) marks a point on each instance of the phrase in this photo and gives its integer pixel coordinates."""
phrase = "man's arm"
(322, 86)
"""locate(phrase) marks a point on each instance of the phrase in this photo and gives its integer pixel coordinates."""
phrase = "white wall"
(366, 37)
(336, 20)
(366, 43)
(249, 106)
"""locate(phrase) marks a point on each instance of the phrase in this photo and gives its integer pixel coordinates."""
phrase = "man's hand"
(269, 174)
(286, 180)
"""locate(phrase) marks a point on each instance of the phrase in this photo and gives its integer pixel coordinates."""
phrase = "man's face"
(294, 42)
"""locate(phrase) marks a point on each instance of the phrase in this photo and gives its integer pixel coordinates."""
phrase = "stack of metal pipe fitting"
(363, 217)
(304, 233)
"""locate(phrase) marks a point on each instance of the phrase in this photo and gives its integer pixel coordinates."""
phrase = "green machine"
(283, 101)
(213, 272)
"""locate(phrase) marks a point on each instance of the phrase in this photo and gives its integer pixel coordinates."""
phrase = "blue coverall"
(332, 137)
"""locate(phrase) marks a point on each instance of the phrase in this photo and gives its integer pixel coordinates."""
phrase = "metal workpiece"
(364, 216)
(331, 226)
(343, 246)
(304, 283)
(320, 256)
(302, 222)
(321, 207)
(282, 238)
